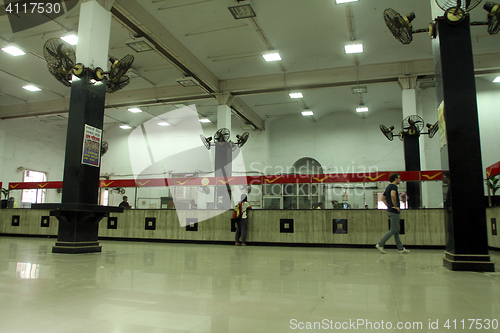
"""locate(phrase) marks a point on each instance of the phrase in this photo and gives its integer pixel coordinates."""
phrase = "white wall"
(341, 142)
(35, 145)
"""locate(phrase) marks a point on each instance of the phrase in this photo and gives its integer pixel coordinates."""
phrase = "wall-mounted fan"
(400, 26)
(117, 74)
(119, 190)
(493, 18)
(61, 58)
(456, 10)
(206, 141)
(432, 129)
(104, 148)
(411, 125)
(387, 132)
(222, 135)
(242, 139)
(204, 189)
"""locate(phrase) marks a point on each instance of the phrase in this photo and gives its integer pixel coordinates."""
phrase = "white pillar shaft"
(93, 35)
(224, 117)
(409, 102)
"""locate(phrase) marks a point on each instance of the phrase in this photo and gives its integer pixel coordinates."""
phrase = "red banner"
(255, 180)
(493, 170)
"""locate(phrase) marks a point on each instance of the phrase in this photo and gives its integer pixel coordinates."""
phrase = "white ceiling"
(202, 38)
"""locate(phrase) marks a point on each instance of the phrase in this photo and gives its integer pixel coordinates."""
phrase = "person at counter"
(124, 204)
(320, 205)
(242, 224)
(391, 199)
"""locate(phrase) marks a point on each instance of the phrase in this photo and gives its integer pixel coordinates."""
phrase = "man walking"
(391, 199)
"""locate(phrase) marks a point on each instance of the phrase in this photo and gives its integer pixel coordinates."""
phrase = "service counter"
(422, 227)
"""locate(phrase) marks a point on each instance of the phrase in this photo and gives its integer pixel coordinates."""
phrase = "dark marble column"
(223, 168)
(412, 163)
(465, 218)
(79, 214)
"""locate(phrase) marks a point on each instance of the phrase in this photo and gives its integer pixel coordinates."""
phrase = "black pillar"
(79, 214)
(412, 163)
(223, 168)
(465, 218)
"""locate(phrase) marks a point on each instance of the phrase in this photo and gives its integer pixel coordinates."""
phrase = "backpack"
(237, 212)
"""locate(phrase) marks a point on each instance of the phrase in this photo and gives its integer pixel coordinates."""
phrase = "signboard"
(91, 154)
(442, 125)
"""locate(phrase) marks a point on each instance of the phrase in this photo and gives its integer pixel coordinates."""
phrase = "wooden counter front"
(423, 227)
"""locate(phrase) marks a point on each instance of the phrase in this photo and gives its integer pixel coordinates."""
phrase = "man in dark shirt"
(391, 200)
(124, 204)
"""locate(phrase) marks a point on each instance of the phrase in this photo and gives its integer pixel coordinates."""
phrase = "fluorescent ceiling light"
(163, 124)
(31, 88)
(344, 1)
(497, 79)
(140, 44)
(125, 127)
(359, 90)
(307, 113)
(353, 48)
(13, 51)
(204, 120)
(362, 109)
(296, 95)
(274, 56)
(242, 11)
(135, 110)
(71, 39)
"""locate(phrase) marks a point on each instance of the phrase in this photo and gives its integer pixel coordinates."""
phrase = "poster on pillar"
(91, 154)
(442, 125)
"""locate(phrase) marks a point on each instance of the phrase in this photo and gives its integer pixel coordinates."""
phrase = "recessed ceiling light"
(353, 48)
(362, 109)
(204, 120)
(125, 127)
(163, 124)
(307, 113)
(296, 95)
(497, 79)
(13, 51)
(71, 39)
(31, 88)
(135, 110)
(273, 56)
(344, 1)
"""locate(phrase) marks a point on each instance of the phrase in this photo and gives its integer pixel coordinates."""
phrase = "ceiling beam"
(346, 76)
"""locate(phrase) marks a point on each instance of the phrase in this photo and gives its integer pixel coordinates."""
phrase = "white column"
(93, 35)
(224, 117)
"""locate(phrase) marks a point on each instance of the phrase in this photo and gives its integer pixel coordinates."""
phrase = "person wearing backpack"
(242, 221)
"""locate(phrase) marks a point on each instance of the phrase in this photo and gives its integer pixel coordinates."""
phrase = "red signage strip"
(255, 180)
(493, 170)
(34, 185)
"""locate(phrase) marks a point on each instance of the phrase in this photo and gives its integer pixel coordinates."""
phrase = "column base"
(468, 262)
(76, 247)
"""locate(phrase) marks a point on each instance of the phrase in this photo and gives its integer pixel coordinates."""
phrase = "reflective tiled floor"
(156, 287)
